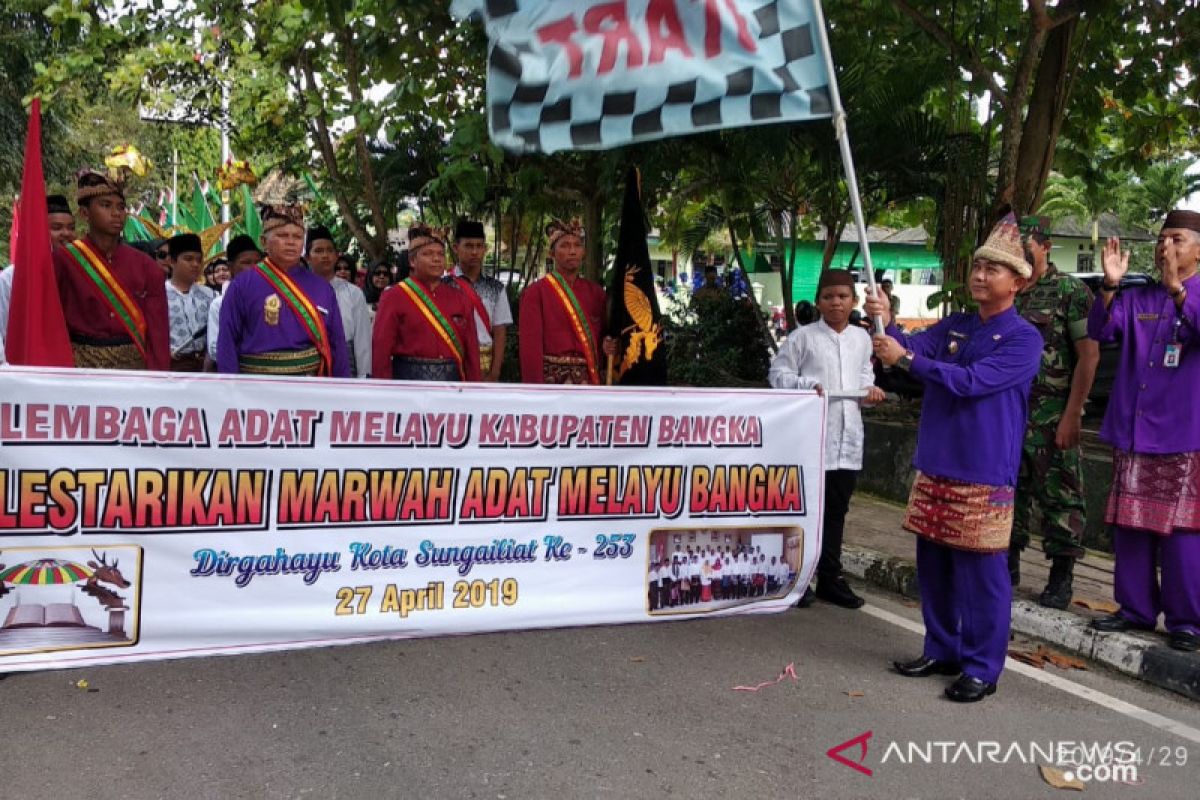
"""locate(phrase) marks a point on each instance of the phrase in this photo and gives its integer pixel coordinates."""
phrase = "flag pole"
(843, 137)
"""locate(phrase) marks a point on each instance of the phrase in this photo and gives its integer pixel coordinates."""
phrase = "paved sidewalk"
(879, 551)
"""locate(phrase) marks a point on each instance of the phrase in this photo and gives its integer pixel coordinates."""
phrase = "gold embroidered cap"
(559, 228)
(421, 235)
(90, 184)
(276, 216)
(1003, 246)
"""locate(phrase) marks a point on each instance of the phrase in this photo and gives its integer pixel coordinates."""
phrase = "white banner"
(148, 516)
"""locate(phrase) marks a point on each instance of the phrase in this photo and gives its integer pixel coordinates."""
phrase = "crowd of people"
(292, 303)
(688, 577)
(999, 435)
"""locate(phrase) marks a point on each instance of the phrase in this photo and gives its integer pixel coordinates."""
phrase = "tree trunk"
(833, 237)
(1047, 109)
(1018, 95)
(515, 239)
(787, 273)
(593, 220)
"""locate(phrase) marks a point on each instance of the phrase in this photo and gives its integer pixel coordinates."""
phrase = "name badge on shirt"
(1171, 359)
(1148, 316)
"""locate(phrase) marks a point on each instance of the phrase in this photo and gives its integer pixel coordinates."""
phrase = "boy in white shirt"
(832, 355)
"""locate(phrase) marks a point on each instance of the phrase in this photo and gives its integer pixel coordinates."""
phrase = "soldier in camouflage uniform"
(1051, 474)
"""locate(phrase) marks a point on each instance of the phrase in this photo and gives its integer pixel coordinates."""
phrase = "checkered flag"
(595, 74)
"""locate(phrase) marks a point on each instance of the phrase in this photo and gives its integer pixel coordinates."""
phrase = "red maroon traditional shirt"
(89, 315)
(546, 328)
(402, 330)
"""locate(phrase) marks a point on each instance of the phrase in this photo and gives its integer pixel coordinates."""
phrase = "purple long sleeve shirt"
(244, 329)
(977, 376)
(1152, 407)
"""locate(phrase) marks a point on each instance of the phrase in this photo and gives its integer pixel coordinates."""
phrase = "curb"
(1135, 655)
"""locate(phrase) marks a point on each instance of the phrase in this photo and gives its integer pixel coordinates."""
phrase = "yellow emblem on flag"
(646, 334)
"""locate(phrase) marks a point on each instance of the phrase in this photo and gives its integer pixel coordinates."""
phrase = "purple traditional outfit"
(1151, 422)
(261, 334)
(977, 376)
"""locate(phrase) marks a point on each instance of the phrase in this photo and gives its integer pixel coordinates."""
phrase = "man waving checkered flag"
(595, 74)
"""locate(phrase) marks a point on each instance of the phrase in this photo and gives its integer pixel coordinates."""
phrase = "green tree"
(335, 77)
(1062, 68)
(1164, 185)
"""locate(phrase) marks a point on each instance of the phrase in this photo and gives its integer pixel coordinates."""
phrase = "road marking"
(1150, 718)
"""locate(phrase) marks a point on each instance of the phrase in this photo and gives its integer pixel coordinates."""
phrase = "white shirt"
(495, 299)
(187, 315)
(356, 321)
(214, 325)
(817, 354)
(6, 279)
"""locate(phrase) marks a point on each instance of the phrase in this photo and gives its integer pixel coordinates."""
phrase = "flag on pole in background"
(37, 331)
(595, 74)
(635, 319)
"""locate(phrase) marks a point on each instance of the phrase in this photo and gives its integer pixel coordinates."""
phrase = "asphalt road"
(631, 712)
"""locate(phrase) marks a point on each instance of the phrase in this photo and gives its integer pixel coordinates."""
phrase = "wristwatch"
(1105, 286)
(905, 362)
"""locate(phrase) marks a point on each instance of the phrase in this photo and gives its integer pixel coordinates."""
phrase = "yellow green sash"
(441, 326)
(304, 310)
(579, 323)
(111, 290)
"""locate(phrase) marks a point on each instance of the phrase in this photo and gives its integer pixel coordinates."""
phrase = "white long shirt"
(214, 325)
(817, 354)
(356, 321)
(6, 276)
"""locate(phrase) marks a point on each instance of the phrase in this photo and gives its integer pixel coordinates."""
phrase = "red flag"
(37, 331)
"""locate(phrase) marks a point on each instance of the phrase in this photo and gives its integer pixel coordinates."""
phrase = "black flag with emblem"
(634, 317)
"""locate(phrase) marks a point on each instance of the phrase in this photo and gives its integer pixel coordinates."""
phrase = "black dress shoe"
(925, 666)
(807, 598)
(1115, 623)
(1184, 640)
(838, 592)
(969, 690)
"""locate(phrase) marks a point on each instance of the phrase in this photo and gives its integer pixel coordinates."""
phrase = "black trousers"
(839, 485)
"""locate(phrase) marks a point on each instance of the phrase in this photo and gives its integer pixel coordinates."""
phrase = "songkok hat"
(1037, 228)
(468, 229)
(1003, 246)
(91, 184)
(239, 244)
(558, 229)
(184, 243)
(421, 235)
(277, 216)
(57, 204)
(317, 234)
(835, 277)
(1188, 220)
